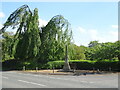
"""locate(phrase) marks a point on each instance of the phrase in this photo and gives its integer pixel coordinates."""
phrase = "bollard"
(98, 71)
(110, 69)
(93, 70)
(23, 68)
(53, 69)
(36, 69)
(73, 70)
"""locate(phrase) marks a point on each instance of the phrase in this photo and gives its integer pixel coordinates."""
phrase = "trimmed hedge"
(75, 64)
(12, 65)
(88, 64)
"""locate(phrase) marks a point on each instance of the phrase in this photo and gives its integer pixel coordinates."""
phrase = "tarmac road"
(28, 80)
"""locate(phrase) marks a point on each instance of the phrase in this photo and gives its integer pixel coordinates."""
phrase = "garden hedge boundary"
(104, 65)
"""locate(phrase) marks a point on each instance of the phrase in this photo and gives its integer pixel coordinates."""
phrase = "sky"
(89, 20)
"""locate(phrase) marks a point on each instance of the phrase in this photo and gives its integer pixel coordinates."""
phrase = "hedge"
(12, 65)
(75, 64)
(87, 64)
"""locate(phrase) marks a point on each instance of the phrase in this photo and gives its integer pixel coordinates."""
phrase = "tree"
(93, 43)
(7, 44)
(78, 52)
(117, 49)
(27, 38)
(102, 51)
(29, 44)
(55, 35)
(90, 51)
(17, 19)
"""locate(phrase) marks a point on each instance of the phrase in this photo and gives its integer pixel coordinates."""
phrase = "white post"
(23, 68)
(36, 69)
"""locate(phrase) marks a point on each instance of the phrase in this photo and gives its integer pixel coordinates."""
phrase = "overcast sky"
(89, 20)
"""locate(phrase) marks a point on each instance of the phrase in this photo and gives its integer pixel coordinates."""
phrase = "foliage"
(17, 19)
(7, 44)
(93, 44)
(26, 40)
(29, 41)
(12, 64)
(59, 64)
(101, 51)
(87, 64)
(33, 44)
(78, 52)
(55, 35)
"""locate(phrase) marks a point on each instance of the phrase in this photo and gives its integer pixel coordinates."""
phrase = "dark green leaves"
(29, 42)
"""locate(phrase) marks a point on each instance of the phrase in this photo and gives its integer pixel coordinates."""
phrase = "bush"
(75, 64)
(103, 65)
(87, 64)
(11, 65)
(55, 64)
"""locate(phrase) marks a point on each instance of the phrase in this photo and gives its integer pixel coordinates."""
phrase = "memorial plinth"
(66, 66)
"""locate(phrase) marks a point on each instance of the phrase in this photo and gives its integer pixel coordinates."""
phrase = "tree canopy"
(33, 43)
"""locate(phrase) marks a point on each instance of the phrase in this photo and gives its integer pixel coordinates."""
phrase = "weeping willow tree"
(6, 46)
(55, 35)
(31, 43)
(26, 41)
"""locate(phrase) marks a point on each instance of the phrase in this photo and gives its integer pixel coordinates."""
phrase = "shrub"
(11, 65)
(87, 64)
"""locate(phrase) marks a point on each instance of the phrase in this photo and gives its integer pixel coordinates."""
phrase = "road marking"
(31, 83)
(91, 82)
(41, 76)
(59, 78)
(68, 79)
(84, 81)
(36, 75)
(5, 77)
(87, 82)
(31, 75)
(23, 73)
(52, 77)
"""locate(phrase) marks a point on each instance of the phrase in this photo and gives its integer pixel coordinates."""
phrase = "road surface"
(28, 80)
